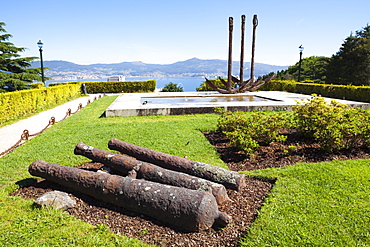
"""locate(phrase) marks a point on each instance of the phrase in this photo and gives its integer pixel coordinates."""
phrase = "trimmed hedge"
(204, 86)
(53, 84)
(22, 103)
(348, 92)
(121, 87)
(37, 85)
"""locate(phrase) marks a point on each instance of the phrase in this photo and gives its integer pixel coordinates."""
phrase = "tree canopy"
(351, 64)
(172, 87)
(312, 68)
(15, 73)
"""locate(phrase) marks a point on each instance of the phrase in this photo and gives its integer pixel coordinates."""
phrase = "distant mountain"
(62, 70)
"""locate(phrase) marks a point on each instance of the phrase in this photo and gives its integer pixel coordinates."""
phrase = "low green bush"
(37, 85)
(349, 92)
(22, 103)
(205, 87)
(332, 125)
(247, 131)
(53, 84)
(172, 87)
(121, 87)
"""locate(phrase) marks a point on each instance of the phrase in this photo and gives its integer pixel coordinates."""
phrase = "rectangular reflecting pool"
(159, 103)
(201, 99)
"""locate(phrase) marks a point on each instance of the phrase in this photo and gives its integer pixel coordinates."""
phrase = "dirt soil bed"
(295, 149)
(243, 208)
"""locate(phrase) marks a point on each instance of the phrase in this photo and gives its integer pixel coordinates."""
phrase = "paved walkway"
(10, 134)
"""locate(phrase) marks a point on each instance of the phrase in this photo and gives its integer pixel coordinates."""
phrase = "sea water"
(188, 83)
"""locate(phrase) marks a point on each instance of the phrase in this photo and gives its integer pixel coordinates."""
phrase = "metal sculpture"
(240, 86)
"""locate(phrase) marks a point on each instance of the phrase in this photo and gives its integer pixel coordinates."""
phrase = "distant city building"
(116, 78)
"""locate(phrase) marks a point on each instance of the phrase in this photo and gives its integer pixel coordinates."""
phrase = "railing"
(26, 135)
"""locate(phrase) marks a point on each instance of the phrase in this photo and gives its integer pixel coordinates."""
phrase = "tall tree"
(15, 73)
(351, 64)
(312, 68)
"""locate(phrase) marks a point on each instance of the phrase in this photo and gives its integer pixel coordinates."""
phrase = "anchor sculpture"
(240, 86)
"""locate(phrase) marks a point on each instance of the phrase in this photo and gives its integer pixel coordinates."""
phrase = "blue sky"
(167, 31)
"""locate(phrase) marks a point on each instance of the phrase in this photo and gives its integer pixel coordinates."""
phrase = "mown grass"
(178, 135)
(324, 204)
(21, 224)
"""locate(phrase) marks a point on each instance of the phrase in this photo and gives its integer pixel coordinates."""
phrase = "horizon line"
(57, 60)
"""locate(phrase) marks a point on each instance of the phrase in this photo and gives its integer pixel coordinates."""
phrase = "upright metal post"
(40, 44)
(255, 24)
(42, 67)
(241, 74)
(230, 61)
(300, 62)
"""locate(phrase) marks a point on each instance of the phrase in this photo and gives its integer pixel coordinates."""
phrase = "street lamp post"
(300, 61)
(40, 44)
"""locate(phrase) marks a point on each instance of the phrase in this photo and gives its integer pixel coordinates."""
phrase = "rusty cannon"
(191, 210)
(230, 179)
(139, 169)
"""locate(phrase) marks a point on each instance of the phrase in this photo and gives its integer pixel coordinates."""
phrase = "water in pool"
(201, 99)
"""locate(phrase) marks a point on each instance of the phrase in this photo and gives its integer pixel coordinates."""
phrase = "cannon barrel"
(230, 179)
(151, 172)
(188, 209)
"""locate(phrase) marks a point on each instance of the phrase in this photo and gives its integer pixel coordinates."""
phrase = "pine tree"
(351, 64)
(15, 73)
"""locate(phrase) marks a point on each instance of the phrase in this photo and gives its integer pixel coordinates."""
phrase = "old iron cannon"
(192, 210)
(230, 179)
(147, 171)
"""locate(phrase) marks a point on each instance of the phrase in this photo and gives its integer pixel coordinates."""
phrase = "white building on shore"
(116, 78)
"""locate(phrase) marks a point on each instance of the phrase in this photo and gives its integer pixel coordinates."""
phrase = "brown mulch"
(243, 208)
(295, 149)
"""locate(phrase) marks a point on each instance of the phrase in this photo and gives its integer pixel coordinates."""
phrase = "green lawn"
(325, 204)
(322, 204)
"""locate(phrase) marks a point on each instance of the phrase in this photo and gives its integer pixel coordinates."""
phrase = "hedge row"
(22, 103)
(121, 87)
(52, 84)
(37, 85)
(348, 92)
(205, 87)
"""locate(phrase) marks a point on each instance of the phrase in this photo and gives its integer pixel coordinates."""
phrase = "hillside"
(62, 70)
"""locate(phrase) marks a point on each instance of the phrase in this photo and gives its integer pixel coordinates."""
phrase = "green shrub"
(37, 85)
(349, 92)
(247, 131)
(22, 103)
(172, 87)
(205, 87)
(333, 126)
(121, 87)
(74, 82)
(53, 84)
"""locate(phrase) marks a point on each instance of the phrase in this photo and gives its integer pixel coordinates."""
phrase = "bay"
(188, 83)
